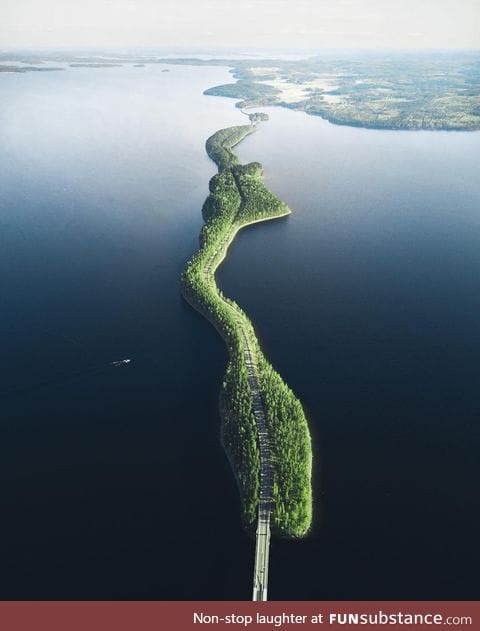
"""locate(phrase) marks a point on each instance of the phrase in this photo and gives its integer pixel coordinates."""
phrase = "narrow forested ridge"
(238, 198)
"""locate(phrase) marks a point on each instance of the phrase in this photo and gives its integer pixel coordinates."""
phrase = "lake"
(366, 299)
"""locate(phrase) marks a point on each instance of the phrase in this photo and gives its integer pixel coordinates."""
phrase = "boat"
(120, 362)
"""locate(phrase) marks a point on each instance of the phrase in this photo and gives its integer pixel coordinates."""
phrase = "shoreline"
(359, 125)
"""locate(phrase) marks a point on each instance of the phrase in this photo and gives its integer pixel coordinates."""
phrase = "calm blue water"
(113, 481)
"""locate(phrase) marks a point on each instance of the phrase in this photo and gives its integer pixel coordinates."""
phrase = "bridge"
(262, 547)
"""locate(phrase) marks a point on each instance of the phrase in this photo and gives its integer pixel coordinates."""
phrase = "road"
(262, 548)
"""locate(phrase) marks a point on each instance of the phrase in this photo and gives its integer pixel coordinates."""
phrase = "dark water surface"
(367, 299)
(113, 483)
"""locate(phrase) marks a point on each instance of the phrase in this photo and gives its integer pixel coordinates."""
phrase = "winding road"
(262, 548)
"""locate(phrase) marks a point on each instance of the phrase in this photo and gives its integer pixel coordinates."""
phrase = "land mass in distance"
(383, 89)
(391, 91)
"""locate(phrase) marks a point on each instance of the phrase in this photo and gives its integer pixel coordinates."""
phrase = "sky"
(248, 24)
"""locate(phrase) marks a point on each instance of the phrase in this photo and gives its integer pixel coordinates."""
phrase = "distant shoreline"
(432, 91)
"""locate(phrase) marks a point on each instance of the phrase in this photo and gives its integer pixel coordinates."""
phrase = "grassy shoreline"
(238, 198)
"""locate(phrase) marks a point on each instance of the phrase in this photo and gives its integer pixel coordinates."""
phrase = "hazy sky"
(248, 24)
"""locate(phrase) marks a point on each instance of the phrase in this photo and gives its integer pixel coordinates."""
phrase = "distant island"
(265, 432)
(6, 68)
(95, 65)
(257, 117)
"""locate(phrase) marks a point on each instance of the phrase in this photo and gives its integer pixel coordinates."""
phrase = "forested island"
(238, 198)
